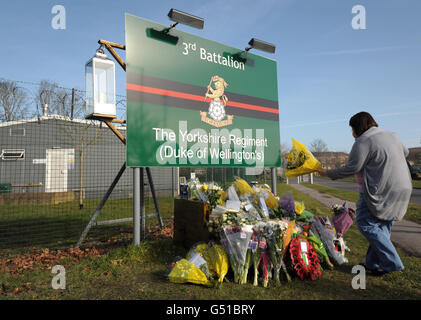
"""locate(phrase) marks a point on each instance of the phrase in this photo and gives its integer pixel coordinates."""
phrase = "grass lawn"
(130, 272)
(23, 227)
(347, 179)
(415, 183)
(413, 213)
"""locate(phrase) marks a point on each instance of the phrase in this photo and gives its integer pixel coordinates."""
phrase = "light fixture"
(100, 86)
(261, 45)
(184, 18)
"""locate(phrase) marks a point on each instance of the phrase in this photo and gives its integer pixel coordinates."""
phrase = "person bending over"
(378, 159)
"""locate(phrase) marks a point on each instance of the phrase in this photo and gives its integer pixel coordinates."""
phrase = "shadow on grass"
(52, 232)
(25, 227)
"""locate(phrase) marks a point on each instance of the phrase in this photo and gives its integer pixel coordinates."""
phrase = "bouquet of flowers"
(213, 194)
(295, 158)
(300, 161)
(318, 246)
(210, 193)
(198, 256)
(194, 186)
(273, 232)
(327, 235)
(236, 240)
(259, 254)
(286, 207)
(242, 187)
(231, 218)
(183, 271)
(343, 217)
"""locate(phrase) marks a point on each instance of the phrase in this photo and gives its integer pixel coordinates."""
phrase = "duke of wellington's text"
(219, 146)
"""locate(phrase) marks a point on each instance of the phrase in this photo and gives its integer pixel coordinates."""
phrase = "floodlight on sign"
(100, 86)
(185, 18)
(261, 45)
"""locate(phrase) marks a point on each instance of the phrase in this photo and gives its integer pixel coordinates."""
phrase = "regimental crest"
(218, 101)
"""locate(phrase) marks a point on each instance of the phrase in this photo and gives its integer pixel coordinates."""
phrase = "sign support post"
(137, 194)
(274, 180)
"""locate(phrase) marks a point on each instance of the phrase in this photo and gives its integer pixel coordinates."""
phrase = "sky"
(327, 70)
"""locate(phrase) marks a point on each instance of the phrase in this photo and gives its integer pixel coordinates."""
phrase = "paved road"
(352, 186)
(405, 234)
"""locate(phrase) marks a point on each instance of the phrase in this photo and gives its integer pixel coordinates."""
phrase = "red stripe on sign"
(251, 107)
(182, 95)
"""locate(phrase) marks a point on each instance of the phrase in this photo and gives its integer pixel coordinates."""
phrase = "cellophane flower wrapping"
(243, 187)
(202, 250)
(273, 234)
(269, 197)
(219, 262)
(184, 271)
(236, 240)
(300, 161)
(342, 219)
(318, 246)
(327, 235)
(206, 192)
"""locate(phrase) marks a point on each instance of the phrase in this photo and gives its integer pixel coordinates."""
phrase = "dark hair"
(361, 122)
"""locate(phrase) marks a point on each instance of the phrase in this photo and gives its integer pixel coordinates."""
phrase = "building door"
(56, 170)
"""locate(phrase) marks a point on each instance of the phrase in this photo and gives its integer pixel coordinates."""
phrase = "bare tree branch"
(318, 145)
(13, 101)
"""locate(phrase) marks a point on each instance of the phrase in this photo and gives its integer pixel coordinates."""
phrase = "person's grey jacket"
(387, 181)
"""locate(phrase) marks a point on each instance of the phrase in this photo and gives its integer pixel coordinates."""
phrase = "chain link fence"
(54, 172)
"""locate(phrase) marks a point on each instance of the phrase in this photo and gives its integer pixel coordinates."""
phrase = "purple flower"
(287, 203)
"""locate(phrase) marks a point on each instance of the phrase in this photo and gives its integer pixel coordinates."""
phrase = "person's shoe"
(379, 272)
(374, 272)
(365, 267)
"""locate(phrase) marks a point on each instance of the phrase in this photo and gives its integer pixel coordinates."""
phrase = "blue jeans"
(381, 253)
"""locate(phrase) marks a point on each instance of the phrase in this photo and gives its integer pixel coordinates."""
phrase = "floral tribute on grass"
(264, 238)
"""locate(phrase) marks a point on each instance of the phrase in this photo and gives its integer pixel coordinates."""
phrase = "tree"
(83, 140)
(318, 145)
(60, 101)
(83, 135)
(13, 101)
(45, 95)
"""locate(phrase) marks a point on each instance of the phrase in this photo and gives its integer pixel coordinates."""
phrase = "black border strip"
(150, 98)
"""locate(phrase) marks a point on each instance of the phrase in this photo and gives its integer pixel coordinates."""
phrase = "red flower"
(309, 271)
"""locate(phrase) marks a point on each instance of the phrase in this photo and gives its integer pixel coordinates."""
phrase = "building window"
(9, 154)
(17, 132)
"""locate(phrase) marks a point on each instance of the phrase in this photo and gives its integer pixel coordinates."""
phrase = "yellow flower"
(299, 207)
(243, 186)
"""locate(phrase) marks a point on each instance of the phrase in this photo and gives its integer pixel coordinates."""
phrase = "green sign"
(195, 102)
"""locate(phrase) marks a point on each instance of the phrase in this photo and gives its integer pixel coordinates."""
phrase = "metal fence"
(54, 172)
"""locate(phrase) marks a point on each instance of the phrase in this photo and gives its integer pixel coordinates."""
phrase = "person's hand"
(323, 172)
